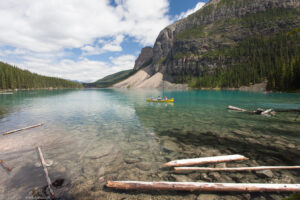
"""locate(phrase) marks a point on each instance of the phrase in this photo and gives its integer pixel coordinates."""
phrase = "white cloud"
(45, 26)
(190, 11)
(42, 34)
(83, 70)
(108, 46)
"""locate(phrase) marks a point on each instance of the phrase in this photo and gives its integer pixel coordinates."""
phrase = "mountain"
(14, 78)
(144, 59)
(229, 43)
(110, 80)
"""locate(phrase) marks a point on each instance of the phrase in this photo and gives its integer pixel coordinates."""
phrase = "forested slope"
(14, 78)
(111, 79)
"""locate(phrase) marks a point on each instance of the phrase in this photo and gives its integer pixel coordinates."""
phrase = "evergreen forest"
(14, 78)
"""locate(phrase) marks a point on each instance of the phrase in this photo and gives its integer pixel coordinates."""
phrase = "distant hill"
(111, 79)
(14, 78)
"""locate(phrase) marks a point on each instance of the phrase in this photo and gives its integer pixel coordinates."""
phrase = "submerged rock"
(144, 166)
(182, 178)
(58, 182)
(169, 145)
(264, 173)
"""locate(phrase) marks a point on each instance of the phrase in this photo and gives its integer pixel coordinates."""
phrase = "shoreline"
(30, 89)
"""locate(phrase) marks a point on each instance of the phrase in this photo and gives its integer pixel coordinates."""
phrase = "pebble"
(182, 178)
(215, 175)
(203, 176)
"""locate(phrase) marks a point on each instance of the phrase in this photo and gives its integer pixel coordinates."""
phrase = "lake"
(94, 135)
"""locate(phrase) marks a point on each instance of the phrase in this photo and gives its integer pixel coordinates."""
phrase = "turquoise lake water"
(93, 135)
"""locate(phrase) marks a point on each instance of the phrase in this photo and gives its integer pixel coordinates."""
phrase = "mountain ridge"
(197, 47)
(228, 44)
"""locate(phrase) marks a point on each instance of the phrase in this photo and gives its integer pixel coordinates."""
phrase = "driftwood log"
(238, 109)
(22, 129)
(258, 111)
(235, 169)
(196, 186)
(5, 166)
(46, 173)
(204, 160)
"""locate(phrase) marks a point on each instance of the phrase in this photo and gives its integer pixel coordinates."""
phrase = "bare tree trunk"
(196, 186)
(17, 130)
(235, 169)
(46, 173)
(204, 160)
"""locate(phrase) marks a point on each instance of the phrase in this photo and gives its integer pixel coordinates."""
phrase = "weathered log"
(266, 112)
(204, 160)
(46, 173)
(17, 130)
(238, 109)
(258, 111)
(196, 186)
(5, 165)
(235, 169)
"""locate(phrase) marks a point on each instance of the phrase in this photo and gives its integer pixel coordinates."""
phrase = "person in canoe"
(165, 98)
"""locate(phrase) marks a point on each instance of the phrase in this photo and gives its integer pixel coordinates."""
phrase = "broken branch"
(196, 186)
(17, 130)
(46, 173)
(204, 160)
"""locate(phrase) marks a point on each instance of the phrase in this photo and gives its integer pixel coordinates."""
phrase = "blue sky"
(83, 40)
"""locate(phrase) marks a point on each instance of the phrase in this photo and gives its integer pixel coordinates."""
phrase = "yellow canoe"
(156, 100)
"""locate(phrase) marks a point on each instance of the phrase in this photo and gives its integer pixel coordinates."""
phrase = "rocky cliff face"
(183, 47)
(144, 59)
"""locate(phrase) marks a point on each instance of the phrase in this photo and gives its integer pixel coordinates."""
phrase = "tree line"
(14, 78)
